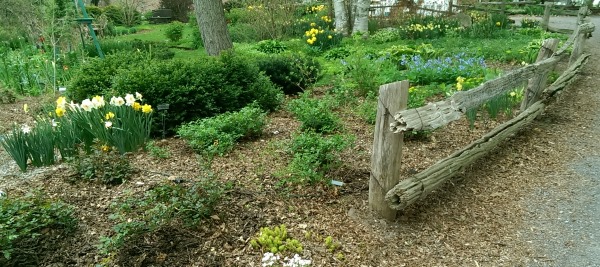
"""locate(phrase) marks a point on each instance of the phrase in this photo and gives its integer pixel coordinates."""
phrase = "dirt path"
(563, 219)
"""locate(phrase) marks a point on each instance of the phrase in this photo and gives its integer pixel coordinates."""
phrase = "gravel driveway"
(563, 221)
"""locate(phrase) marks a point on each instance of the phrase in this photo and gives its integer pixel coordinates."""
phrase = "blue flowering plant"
(420, 71)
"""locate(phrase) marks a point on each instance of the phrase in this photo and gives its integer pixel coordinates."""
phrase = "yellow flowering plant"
(123, 122)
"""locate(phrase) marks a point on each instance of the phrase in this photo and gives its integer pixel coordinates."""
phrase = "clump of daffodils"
(122, 122)
(321, 35)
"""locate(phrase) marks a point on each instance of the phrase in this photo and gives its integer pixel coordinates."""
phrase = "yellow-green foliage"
(276, 240)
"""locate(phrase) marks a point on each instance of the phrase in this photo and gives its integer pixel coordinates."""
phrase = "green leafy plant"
(363, 72)
(529, 23)
(105, 167)
(331, 245)
(313, 155)
(271, 46)
(174, 31)
(219, 134)
(385, 35)
(315, 114)
(159, 207)
(157, 151)
(24, 218)
(275, 240)
(293, 73)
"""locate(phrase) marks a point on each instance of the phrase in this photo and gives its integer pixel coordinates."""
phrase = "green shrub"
(315, 114)
(313, 155)
(114, 14)
(95, 76)
(194, 89)
(293, 73)
(270, 46)
(219, 134)
(174, 31)
(160, 207)
(94, 11)
(24, 219)
(102, 167)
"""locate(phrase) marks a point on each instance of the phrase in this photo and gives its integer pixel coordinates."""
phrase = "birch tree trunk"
(361, 17)
(213, 27)
(341, 16)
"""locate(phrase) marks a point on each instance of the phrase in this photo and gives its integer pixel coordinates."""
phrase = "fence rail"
(385, 163)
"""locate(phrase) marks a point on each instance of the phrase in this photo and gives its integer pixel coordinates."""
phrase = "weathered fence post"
(537, 84)
(387, 147)
(581, 14)
(546, 20)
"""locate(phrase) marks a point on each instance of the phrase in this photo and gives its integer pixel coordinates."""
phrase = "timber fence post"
(546, 18)
(536, 85)
(387, 147)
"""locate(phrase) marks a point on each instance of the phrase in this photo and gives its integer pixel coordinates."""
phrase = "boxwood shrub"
(293, 73)
(194, 89)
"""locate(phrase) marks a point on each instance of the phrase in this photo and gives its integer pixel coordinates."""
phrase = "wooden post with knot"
(387, 147)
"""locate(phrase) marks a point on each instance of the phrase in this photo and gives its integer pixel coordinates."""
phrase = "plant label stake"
(164, 108)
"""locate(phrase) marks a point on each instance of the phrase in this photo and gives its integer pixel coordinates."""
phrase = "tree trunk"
(341, 18)
(213, 27)
(361, 17)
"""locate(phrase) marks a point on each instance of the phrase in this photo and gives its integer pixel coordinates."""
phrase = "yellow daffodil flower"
(146, 108)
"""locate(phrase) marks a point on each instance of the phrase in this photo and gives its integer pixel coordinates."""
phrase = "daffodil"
(109, 115)
(98, 102)
(108, 124)
(25, 108)
(60, 112)
(137, 106)
(87, 105)
(146, 108)
(138, 96)
(129, 99)
(61, 101)
(117, 101)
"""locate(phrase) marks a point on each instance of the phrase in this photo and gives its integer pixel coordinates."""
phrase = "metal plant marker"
(163, 108)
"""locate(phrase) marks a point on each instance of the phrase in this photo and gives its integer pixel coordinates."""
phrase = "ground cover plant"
(282, 123)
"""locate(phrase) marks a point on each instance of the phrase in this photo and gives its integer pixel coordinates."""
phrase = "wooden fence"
(388, 193)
